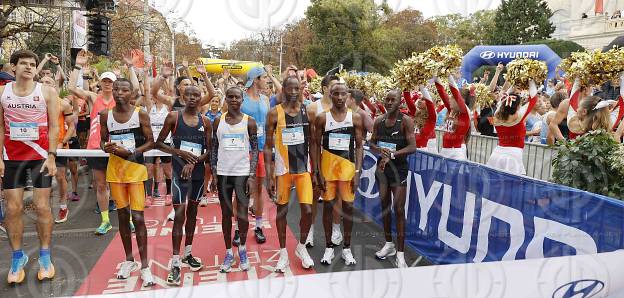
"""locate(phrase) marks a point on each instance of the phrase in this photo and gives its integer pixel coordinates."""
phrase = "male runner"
(393, 138)
(190, 133)
(28, 138)
(126, 135)
(234, 160)
(339, 132)
(289, 132)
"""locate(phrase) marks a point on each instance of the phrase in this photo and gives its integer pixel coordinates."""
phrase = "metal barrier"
(537, 157)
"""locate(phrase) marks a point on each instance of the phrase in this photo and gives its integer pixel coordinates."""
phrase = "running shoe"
(336, 237)
(193, 262)
(236, 241)
(244, 261)
(156, 192)
(302, 253)
(282, 264)
(148, 201)
(16, 273)
(147, 277)
(103, 228)
(260, 238)
(74, 197)
(400, 262)
(112, 206)
(126, 268)
(347, 256)
(173, 278)
(45, 273)
(227, 263)
(328, 256)
(62, 215)
(387, 250)
(168, 200)
(251, 210)
(310, 239)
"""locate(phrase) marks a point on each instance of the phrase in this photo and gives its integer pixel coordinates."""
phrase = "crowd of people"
(236, 137)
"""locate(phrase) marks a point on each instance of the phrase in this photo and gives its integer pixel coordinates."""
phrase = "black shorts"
(186, 189)
(392, 175)
(74, 144)
(97, 163)
(228, 184)
(152, 159)
(83, 125)
(61, 161)
(15, 174)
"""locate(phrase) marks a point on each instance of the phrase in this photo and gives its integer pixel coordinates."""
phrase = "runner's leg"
(120, 192)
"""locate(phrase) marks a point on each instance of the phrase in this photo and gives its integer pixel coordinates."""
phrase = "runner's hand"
(269, 69)
(167, 69)
(187, 171)
(385, 152)
(127, 59)
(187, 156)
(49, 166)
(54, 60)
(226, 74)
(355, 182)
(321, 181)
(82, 58)
(122, 152)
(109, 147)
(213, 183)
(199, 66)
(381, 164)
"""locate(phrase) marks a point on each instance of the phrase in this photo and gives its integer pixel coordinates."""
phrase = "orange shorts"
(303, 187)
(132, 194)
(342, 188)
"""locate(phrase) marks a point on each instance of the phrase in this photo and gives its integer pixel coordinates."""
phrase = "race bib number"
(390, 146)
(293, 136)
(25, 131)
(449, 126)
(125, 141)
(339, 141)
(260, 131)
(193, 148)
(234, 142)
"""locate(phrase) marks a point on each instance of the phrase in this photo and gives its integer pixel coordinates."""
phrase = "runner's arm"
(373, 142)
(103, 130)
(212, 92)
(53, 112)
(252, 127)
(359, 138)
(269, 142)
(70, 120)
(79, 92)
(562, 113)
(214, 150)
(156, 85)
(408, 131)
(317, 141)
(2, 129)
(164, 132)
(146, 128)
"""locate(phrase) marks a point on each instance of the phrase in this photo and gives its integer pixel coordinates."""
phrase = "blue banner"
(462, 212)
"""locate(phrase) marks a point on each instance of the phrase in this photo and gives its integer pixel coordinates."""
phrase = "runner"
(82, 129)
(289, 131)
(234, 160)
(317, 108)
(393, 139)
(189, 132)
(126, 136)
(339, 132)
(28, 139)
(213, 113)
(256, 105)
(98, 103)
(158, 111)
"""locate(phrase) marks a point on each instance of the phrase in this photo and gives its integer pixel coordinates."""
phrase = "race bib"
(449, 126)
(260, 131)
(193, 148)
(24, 131)
(234, 142)
(156, 128)
(125, 141)
(339, 141)
(293, 136)
(390, 146)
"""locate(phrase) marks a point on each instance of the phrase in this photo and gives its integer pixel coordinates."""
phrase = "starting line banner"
(463, 212)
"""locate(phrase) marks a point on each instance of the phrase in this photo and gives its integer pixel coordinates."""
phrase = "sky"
(219, 22)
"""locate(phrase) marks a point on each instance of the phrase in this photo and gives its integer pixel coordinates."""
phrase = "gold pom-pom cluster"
(315, 85)
(414, 71)
(484, 98)
(521, 71)
(371, 84)
(444, 59)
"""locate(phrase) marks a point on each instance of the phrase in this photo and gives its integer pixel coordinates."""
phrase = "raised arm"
(442, 92)
(429, 126)
(526, 109)
(494, 82)
(157, 84)
(575, 94)
(457, 95)
(212, 92)
(81, 60)
(411, 105)
(276, 82)
(562, 113)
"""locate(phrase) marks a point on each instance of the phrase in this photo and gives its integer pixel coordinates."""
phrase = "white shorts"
(455, 153)
(508, 159)
(432, 146)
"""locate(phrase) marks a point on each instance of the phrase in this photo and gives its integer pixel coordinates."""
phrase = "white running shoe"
(310, 239)
(126, 268)
(400, 262)
(336, 237)
(328, 256)
(282, 263)
(347, 256)
(302, 253)
(171, 215)
(147, 278)
(387, 250)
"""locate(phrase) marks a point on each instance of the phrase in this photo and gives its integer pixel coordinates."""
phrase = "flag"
(599, 6)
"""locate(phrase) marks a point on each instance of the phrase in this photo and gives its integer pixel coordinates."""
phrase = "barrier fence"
(537, 157)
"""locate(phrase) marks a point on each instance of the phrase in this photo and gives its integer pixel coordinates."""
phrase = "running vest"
(94, 131)
(61, 123)
(392, 138)
(338, 154)
(25, 125)
(129, 136)
(291, 142)
(233, 153)
(189, 139)
(157, 120)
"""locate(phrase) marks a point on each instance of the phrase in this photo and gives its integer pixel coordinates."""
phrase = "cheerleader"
(457, 123)
(617, 114)
(422, 109)
(509, 121)
(568, 111)
(593, 114)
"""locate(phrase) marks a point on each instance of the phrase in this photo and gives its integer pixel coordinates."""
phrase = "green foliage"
(103, 64)
(563, 48)
(467, 32)
(64, 93)
(42, 43)
(521, 21)
(585, 164)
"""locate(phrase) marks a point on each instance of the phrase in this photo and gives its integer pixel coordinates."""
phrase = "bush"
(588, 163)
(563, 48)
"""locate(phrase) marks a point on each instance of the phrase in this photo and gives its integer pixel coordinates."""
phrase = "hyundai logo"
(583, 288)
(487, 55)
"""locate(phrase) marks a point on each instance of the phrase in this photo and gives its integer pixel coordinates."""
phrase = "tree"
(186, 48)
(521, 21)
(467, 32)
(297, 38)
(19, 18)
(405, 32)
(563, 48)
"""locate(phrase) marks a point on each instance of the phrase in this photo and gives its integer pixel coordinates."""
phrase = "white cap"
(108, 75)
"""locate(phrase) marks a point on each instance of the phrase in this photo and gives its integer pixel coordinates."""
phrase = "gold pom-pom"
(444, 60)
(484, 98)
(521, 71)
(575, 67)
(315, 85)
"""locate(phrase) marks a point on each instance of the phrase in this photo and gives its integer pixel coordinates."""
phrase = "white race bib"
(390, 146)
(234, 142)
(24, 131)
(339, 141)
(449, 126)
(193, 148)
(125, 141)
(293, 136)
